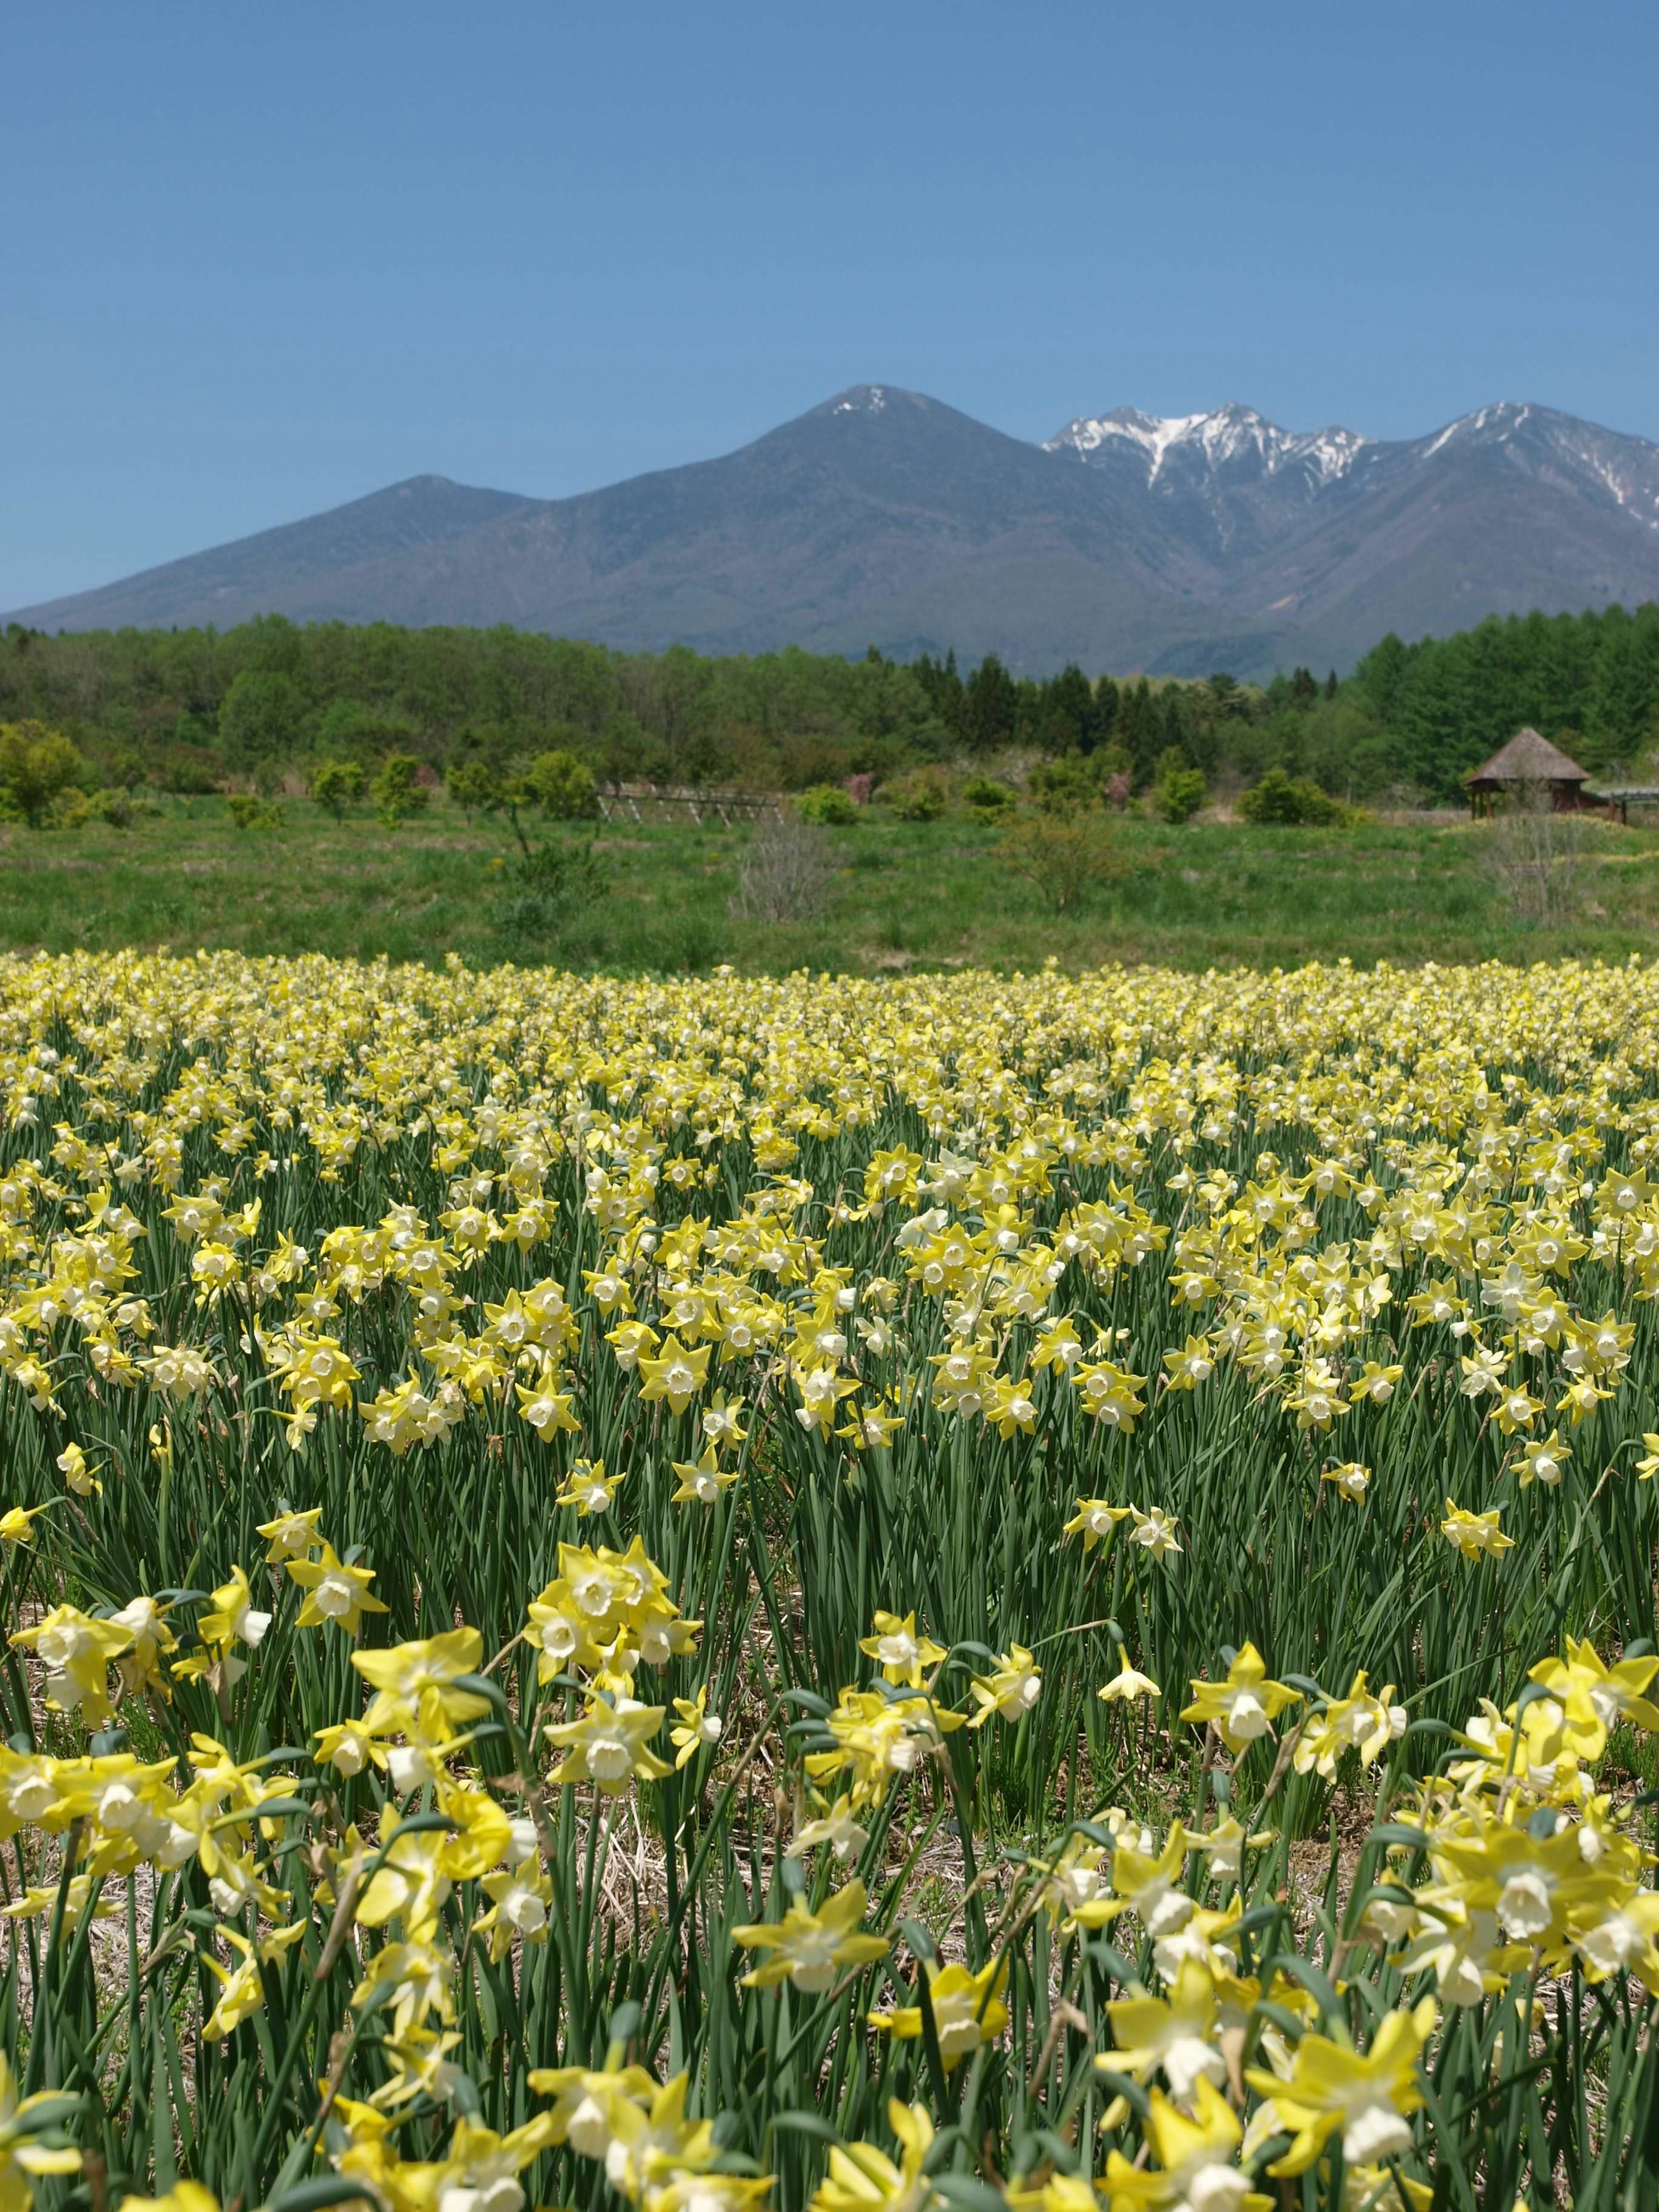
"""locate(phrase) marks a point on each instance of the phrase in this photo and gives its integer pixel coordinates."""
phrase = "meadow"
(913, 1594)
(901, 895)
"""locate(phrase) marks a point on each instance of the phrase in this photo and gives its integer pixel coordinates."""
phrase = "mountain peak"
(880, 400)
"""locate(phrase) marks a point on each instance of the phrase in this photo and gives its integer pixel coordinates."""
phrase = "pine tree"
(1140, 728)
(1065, 713)
(1102, 727)
(990, 707)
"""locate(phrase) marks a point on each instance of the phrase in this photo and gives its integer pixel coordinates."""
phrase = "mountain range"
(1173, 544)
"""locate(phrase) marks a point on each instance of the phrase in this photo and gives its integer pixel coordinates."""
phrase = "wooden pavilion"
(1528, 762)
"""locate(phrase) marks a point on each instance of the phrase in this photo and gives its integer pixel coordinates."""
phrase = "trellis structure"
(679, 802)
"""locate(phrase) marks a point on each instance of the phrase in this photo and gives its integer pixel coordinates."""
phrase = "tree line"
(194, 710)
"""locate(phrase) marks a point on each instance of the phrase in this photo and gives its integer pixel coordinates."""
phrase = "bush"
(987, 796)
(560, 784)
(37, 766)
(397, 791)
(1179, 793)
(249, 811)
(1537, 858)
(554, 884)
(1281, 800)
(827, 805)
(112, 806)
(336, 784)
(70, 809)
(920, 796)
(1062, 859)
(787, 871)
(1066, 785)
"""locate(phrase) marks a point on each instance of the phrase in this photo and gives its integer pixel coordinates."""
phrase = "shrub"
(1537, 857)
(1066, 784)
(249, 811)
(38, 765)
(1179, 793)
(1281, 800)
(554, 884)
(986, 796)
(70, 809)
(922, 796)
(827, 805)
(397, 791)
(112, 806)
(787, 871)
(560, 784)
(1062, 859)
(336, 784)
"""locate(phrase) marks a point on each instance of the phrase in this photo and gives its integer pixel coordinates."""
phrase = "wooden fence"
(679, 802)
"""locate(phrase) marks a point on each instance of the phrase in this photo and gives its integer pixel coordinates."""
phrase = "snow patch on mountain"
(1220, 437)
(1502, 420)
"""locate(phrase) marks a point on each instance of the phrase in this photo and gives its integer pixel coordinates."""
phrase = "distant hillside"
(1127, 542)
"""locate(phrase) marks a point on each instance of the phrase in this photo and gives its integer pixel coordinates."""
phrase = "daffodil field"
(892, 1596)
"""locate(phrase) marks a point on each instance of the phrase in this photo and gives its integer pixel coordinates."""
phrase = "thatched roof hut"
(1528, 760)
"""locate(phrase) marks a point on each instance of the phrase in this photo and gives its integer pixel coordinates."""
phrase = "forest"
(195, 710)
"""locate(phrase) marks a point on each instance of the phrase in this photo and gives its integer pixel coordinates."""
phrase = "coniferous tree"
(1108, 696)
(990, 706)
(1176, 736)
(1140, 728)
(1067, 714)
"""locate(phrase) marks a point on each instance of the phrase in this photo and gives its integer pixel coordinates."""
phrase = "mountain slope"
(262, 573)
(882, 516)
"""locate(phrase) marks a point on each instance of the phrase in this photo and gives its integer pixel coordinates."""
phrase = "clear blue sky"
(259, 261)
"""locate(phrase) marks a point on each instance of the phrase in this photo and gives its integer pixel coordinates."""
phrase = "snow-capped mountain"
(1129, 540)
(1230, 436)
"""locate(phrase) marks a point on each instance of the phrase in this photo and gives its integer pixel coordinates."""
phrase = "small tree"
(1062, 859)
(560, 784)
(473, 786)
(398, 791)
(37, 764)
(1179, 793)
(336, 785)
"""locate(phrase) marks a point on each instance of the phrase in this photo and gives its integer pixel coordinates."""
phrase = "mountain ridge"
(1126, 541)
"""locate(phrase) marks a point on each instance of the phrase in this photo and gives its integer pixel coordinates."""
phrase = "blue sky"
(262, 261)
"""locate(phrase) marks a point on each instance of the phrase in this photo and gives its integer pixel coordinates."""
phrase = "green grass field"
(927, 895)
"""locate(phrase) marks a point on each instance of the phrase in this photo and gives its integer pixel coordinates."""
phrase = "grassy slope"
(930, 895)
